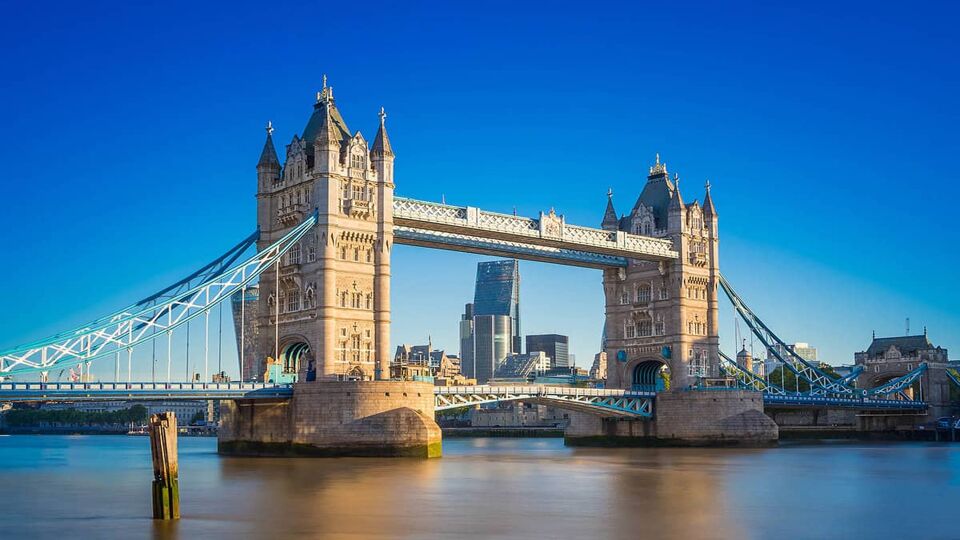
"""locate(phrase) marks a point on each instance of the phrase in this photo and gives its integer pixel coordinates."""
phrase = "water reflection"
(98, 487)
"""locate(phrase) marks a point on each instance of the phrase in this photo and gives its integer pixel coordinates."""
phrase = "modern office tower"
(498, 293)
(490, 326)
(556, 346)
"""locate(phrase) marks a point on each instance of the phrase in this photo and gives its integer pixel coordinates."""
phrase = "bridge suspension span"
(155, 316)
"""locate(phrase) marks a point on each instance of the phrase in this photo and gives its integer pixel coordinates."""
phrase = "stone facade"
(334, 418)
(332, 291)
(683, 418)
(664, 312)
(893, 357)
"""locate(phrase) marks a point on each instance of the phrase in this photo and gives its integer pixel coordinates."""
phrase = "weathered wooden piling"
(163, 449)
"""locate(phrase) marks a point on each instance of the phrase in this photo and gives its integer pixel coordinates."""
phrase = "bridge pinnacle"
(269, 128)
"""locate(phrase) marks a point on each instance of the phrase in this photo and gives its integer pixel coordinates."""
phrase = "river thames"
(99, 487)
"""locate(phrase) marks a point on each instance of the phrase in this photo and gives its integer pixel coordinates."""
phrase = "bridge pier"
(683, 418)
(335, 418)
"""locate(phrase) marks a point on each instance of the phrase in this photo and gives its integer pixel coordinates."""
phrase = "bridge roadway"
(596, 400)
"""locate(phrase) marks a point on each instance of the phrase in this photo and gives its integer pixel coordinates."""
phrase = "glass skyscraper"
(490, 327)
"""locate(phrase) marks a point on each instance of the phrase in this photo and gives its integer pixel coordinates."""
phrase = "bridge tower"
(324, 310)
(664, 313)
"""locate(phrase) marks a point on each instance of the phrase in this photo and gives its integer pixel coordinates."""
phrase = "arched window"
(282, 302)
(343, 299)
(343, 253)
(309, 298)
(294, 255)
(357, 161)
(630, 329)
(356, 254)
(369, 301)
(644, 295)
(369, 255)
(624, 297)
(311, 254)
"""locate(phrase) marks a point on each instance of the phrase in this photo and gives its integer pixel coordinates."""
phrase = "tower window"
(643, 294)
(357, 161)
(294, 256)
(293, 300)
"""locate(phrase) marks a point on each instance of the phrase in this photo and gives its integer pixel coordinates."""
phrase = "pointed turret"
(382, 153)
(676, 201)
(268, 168)
(268, 157)
(381, 143)
(325, 133)
(610, 221)
(708, 209)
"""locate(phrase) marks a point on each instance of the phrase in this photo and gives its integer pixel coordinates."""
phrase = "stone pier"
(334, 418)
(683, 418)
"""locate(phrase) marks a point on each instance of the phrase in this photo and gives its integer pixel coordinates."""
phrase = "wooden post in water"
(163, 448)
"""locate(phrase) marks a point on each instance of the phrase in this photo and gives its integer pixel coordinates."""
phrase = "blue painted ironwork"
(748, 380)
(202, 274)
(849, 378)
(139, 391)
(158, 316)
(593, 400)
(819, 381)
(503, 248)
(953, 376)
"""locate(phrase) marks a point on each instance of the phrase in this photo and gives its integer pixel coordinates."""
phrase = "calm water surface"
(99, 487)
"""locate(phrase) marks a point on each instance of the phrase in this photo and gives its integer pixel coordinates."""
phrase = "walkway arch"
(291, 357)
(650, 376)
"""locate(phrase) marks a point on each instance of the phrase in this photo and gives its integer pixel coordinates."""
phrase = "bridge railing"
(145, 386)
(550, 229)
(539, 390)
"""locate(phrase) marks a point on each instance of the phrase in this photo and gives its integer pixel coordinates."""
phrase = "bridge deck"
(468, 228)
(140, 391)
(623, 402)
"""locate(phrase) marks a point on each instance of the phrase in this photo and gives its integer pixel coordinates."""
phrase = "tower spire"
(610, 221)
(708, 208)
(381, 142)
(268, 157)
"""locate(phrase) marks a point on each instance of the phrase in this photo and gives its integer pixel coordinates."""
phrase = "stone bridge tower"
(325, 312)
(664, 314)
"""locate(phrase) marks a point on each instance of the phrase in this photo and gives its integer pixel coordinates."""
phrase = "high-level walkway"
(548, 238)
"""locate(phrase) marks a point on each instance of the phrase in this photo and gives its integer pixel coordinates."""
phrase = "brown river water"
(61, 487)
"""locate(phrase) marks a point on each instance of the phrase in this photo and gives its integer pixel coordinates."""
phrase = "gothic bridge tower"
(664, 314)
(326, 311)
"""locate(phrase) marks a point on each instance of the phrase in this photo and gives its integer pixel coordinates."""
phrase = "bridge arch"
(649, 375)
(911, 392)
(294, 361)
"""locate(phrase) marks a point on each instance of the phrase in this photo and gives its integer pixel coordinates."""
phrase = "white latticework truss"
(593, 400)
(151, 320)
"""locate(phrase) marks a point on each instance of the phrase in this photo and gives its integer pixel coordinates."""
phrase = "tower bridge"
(327, 221)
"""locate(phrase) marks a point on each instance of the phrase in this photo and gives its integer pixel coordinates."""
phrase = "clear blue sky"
(131, 132)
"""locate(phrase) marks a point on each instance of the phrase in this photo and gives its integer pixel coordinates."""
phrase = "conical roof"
(268, 157)
(381, 142)
(325, 121)
(610, 216)
(708, 209)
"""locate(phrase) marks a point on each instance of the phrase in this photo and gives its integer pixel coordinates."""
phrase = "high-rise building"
(497, 292)
(556, 346)
(490, 326)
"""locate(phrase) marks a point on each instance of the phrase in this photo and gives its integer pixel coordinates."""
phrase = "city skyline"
(818, 232)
